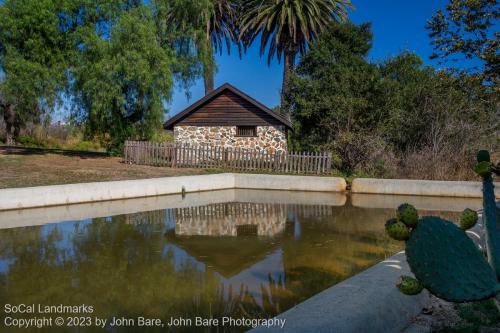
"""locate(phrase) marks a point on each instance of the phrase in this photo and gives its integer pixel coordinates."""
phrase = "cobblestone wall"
(269, 138)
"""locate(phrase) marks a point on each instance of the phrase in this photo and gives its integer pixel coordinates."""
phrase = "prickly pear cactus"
(468, 219)
(483, 156)
(409, 286)
(443, 258)
(397, 230)
(448, 263)
(485, 169)
(407, 214)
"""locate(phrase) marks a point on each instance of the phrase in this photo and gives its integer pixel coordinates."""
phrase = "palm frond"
(288, 25)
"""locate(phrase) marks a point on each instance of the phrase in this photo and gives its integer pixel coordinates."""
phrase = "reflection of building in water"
(155, 217)
(151, 217)
(307, 211)
(231, 219)
(256, 264)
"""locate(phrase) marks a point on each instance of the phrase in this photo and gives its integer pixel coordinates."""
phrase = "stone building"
(231, 219)
(227, 117)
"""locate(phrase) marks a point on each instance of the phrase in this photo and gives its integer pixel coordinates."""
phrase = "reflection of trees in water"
(237, 304)
(276, 297)
(121, 265)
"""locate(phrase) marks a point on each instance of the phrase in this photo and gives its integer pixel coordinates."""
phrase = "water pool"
(232, 253)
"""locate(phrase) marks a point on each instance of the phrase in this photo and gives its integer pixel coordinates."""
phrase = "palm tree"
(288, 27)
(220, 20)
(209, 25)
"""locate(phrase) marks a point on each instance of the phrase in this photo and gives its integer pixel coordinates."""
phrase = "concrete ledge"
(452, 204)
(43, 215)
(43, 196)
(368, 301)
(290, 183)
(419, 187)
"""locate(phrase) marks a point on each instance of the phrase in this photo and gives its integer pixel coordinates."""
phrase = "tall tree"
(123, 77)
(287, 28)
(331, 93)
(32, 60)
(208, 25)
(468, 28)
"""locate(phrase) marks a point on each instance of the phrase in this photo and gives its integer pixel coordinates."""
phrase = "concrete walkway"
(366, 302)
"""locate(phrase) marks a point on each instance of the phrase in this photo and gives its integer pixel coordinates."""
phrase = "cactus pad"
(483, 169)
(397, 230)
(409, 286)
(407, 214)
(468, 219)
(483, 156)
(446, 261)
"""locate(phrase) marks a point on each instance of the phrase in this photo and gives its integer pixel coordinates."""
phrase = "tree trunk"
(208, 69)
(288, 66)
(12, 126)
(208, 78)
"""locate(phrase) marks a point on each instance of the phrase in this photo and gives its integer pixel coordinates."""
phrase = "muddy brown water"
(237, 259)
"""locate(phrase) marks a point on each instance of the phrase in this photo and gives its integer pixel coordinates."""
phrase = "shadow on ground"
(19, 150)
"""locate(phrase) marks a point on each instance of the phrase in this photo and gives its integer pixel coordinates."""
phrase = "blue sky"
(397, 25)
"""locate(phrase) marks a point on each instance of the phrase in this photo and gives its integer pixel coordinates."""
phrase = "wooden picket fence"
(205, 156)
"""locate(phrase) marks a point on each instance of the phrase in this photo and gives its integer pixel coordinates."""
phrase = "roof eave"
(169, 124)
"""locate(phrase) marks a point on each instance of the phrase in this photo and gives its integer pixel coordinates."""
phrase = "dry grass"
(21, 167)
(449, 164)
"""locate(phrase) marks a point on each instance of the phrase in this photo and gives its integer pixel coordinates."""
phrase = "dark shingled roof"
(169, 124)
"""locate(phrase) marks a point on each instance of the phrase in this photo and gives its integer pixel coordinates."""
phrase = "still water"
(232, 253)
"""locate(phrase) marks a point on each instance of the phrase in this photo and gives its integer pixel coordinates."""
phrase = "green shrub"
(29, 141)
(86, 145)
(163, 136)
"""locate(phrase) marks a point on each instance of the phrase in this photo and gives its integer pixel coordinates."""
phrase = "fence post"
(224, 152)
(276, 160)
(174, 155)
(125, 148)
(137, 152)
(329, 163)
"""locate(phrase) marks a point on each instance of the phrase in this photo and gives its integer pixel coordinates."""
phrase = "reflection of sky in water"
(67, 230)
(253, 277)
(181, 258)
(5, 263)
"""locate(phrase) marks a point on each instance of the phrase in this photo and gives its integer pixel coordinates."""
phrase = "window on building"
(246, 131)
(246, 230)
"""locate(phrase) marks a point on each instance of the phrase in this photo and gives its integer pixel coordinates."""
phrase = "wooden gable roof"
(227, 106)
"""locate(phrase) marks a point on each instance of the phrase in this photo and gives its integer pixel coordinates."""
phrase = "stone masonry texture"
(271, 139)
